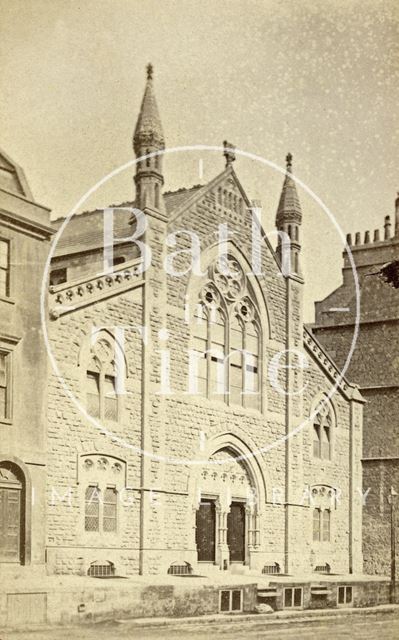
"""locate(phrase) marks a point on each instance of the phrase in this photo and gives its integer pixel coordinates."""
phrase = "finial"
(229, 152)
(150, 71)
(288, 160)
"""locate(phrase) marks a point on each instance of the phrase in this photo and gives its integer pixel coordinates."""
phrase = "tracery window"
(101, 396)
(322, 433)
(227, 337)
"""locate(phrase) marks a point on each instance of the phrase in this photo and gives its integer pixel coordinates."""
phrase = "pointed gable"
(226, 190)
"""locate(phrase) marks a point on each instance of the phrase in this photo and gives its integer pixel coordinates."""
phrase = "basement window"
(98, 570)
(344, 595)
(230, 600)
(180, 569)
(272, 568)
(293, 597)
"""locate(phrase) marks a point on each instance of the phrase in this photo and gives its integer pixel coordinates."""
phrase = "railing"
(70, 296)
(272, 568)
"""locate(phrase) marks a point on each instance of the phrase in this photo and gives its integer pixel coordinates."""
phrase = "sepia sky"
(318, 78)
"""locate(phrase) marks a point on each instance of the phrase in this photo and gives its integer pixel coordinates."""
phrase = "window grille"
(323, 568)
(272, 568)
(177, 569)
(97, 570)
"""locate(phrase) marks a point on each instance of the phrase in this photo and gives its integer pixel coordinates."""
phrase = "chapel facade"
(176, 402)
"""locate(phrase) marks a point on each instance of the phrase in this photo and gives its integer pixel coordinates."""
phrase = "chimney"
(387, 228)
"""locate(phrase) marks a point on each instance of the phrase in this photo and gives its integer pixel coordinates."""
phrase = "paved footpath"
(370, 625)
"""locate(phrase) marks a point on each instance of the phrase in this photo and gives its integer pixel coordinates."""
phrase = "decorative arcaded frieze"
(70, 296)
(323, 360)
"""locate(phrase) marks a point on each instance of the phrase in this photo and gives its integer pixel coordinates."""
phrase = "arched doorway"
(227, 517)
(12, 513)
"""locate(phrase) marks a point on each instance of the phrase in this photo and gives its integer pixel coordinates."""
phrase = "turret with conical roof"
(289, 218)
(148, 139)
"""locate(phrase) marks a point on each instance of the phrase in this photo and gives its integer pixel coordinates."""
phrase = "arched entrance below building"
(12, 513)
(227, 513)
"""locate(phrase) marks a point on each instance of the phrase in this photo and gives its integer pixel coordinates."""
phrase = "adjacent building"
(374, 365)
(24, 242)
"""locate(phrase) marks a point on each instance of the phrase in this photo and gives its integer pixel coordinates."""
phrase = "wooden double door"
(206, 531)
(11, 516)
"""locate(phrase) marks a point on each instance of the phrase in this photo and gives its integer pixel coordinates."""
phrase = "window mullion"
(208, 355)
(101, 384)
(226, 362)
(244, 366)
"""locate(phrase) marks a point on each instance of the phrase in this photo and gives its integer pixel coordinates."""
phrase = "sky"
(317, 78)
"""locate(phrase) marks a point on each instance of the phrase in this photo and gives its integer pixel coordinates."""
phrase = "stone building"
(375, 367)
(24, 243)
(176, 397)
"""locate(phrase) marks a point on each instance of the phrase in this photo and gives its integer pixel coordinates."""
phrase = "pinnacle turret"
(148, 131)
(289, 218)
(148, 145)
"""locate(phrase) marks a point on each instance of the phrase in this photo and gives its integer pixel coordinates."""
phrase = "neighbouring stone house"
(25, 232)
(375, 367)
(151, 469)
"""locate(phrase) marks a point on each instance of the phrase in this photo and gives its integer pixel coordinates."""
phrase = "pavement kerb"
(277, 617)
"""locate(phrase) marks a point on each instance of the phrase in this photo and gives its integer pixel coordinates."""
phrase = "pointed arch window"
(101, 392)
(322, 433)
(227, 338)
(321, 525)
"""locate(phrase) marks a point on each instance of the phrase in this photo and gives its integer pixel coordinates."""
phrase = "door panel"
(236, 532)
(10, 524)
(206, 531)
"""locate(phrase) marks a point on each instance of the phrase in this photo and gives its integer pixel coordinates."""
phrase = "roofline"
(344, 383)
(20, 175)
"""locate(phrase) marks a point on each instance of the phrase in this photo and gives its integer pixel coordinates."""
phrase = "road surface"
(358, 627)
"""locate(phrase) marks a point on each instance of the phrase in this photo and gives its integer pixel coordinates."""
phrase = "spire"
(148, 129)
(289, 207)
(148, 139)
(289, 218)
